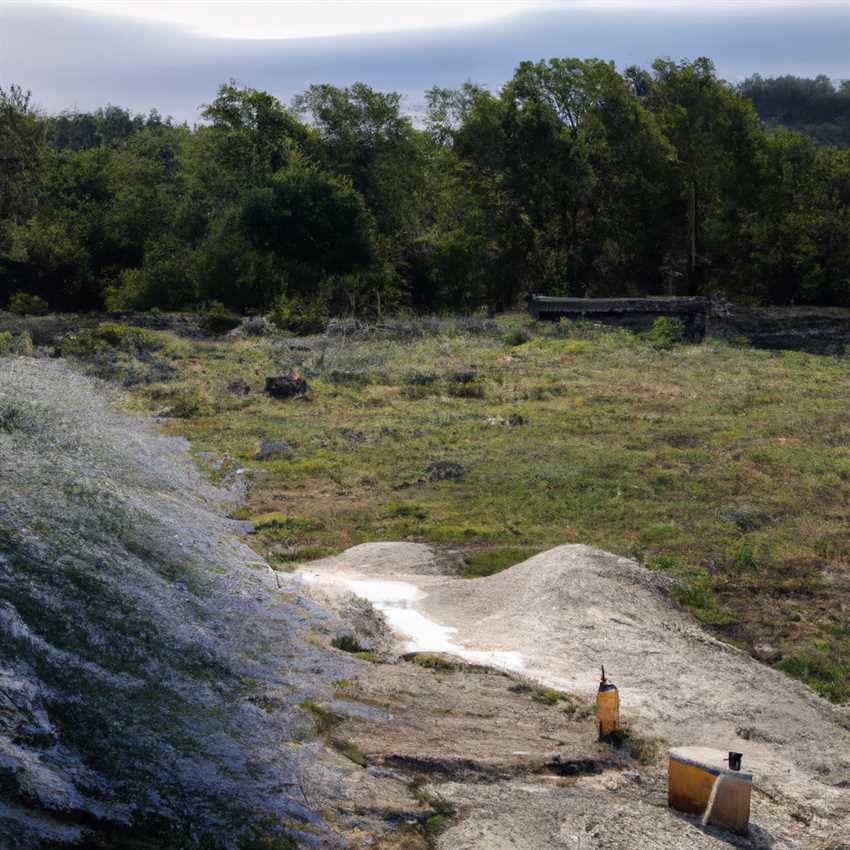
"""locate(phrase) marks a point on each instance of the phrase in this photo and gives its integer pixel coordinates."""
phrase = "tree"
(311, 222)
(715, 135)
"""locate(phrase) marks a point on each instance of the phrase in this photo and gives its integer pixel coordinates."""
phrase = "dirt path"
(559, 615)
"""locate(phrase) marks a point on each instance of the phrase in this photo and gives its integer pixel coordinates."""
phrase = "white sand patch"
(418, 633)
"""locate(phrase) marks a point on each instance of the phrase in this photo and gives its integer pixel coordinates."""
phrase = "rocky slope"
(150, 671)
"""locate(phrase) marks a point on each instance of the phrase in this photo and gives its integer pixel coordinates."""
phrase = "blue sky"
(173, 55)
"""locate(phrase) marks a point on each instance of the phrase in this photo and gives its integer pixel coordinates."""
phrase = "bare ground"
(491, 753)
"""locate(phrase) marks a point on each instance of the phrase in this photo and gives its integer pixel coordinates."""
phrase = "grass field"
(725, 466)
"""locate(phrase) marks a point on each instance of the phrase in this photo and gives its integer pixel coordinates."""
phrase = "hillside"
(151, 672)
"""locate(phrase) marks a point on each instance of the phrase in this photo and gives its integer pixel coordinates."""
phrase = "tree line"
(819, 108)
(573, 179)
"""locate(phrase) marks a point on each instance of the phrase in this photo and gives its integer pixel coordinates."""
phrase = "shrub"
(218, 320)
(23, 344)
(665, 333)
(5, 342)
(24, 304)
(302, 318)
(473, 390)
(347, 643)
(11, 418)
(350, 750)
(111, 335)
(517, 337)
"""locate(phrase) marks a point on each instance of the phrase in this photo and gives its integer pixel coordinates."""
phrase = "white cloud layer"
(302, 19)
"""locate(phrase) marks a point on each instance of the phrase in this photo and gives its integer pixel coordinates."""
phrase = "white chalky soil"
(418, 633)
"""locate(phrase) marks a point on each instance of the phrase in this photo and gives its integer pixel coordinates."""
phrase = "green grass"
(486, 562)
(725, 466)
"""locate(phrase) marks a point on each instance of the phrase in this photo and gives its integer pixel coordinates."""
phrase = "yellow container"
(607, 707)
(700, 782)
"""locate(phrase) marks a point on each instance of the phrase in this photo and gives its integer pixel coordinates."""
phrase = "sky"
(81, 54)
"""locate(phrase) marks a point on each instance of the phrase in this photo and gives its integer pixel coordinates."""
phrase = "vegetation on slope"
(150, 680)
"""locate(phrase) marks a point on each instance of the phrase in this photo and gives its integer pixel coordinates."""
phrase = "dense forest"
(815, 107)
(573, 178)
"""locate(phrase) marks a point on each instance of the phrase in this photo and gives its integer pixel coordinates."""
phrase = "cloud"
(70, 57)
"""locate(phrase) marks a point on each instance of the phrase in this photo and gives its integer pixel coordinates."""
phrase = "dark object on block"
(735, 761)
(634, 314)
(286, 386)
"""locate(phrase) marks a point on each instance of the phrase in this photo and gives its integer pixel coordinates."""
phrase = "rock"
(767, 653)
(273, 448)
(446, 470)
(286, 386)
(517, 419)
(149, 667)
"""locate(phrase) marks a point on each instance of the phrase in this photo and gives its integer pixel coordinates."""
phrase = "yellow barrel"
(607, 707)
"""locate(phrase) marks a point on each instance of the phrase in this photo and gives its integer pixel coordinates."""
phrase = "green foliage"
(822, 668)
(111, 335)
(12, 418)
(666, 332)
(572, 179)
(487, 562)
(218, 320)
(293, 314)
(643, 750)
(438, 663)
(350, 750)
(25, 304)
(347, 643)
(817, 107)
(548, 696)
(325, 720)
(695, 592)
(5, 342)
(279, 524)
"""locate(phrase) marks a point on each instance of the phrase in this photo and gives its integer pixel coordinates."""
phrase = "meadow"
(725, 466)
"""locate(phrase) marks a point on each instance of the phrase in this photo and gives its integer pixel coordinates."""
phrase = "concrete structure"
(700, 782)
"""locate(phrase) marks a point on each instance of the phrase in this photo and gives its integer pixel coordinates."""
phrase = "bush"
(302, 318)
(20, 344)
(347, 643)
(218, 320)
(24, 304)
(517, 337)
(665, 333)
(110, 336)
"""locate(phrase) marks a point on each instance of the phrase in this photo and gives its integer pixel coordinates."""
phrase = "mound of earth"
(560, 615)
